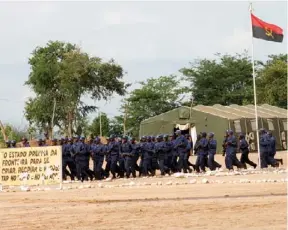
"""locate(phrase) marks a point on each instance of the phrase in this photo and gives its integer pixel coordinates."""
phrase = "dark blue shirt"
(231, 145)
(126, 149)
(264, 143)
(203, 146)
(114, 148)
(148, 149)
(181, 144)
(98, 151)
(212, 146)
(161, 149)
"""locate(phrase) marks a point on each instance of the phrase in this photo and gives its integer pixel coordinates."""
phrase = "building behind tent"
(217, 119)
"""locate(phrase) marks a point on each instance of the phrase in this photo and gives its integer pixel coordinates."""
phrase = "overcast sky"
(148, 39)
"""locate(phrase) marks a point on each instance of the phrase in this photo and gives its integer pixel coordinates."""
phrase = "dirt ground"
(176, 205)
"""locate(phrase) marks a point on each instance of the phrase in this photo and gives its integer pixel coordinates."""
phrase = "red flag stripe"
(259, 23)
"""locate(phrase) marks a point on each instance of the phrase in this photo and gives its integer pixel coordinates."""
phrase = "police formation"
(167, 153)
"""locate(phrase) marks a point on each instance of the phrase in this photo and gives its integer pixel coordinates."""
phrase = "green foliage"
(12, 133)
(62, 72)
(116, 126)
(94, 128)
(272, 81)
(155, 96)
(225, 80)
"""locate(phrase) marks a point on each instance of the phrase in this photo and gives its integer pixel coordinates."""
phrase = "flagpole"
(254, 89)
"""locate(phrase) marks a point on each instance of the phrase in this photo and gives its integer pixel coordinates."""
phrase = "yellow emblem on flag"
(269, 32)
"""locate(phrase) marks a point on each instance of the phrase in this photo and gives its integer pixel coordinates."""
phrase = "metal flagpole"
(254, 89)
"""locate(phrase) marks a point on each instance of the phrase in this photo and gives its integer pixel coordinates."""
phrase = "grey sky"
(148, 39)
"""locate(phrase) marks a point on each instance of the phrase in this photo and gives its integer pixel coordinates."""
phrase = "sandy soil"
(231, 205)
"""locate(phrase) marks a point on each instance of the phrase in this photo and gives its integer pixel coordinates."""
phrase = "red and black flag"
(266, 31)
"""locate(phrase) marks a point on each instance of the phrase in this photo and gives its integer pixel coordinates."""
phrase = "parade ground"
(247, 200)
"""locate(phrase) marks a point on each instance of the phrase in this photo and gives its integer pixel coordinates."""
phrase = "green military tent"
(218, 119)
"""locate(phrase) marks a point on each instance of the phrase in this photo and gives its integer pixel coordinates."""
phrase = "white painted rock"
(210, 173)
(205, 181)
(132, 183)
(81, 187)
(108, 186)
(108, 179)
(221, 174)
(167, 175)
(193, 181)
(242, 181)
(100, 185)
(159, 183)
(169, 183)
(179, 175)
(189, 175)
(87, 186)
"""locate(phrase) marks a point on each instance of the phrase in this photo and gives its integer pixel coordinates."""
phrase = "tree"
(155, 96)
(225, 80)
(12, 133)
(272, 81)
(116, 125)
(94, 128)
(61, 72)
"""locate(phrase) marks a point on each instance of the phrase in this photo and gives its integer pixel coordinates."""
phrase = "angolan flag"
(266, 31)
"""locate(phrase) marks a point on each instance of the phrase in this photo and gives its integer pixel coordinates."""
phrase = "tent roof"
(232, 112)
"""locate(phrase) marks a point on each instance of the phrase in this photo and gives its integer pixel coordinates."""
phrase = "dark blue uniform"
(141, 151)
(67, 160)
(114, 150)
(88, 154)
(127, 152)
(231, 150)
(78, 149)
(202, 153)
(188, 149)
(175, 156)
(169, 154)
(244, 149)
(212, 147)
(264, 144)
(272, 149)
(98, 153)
(181, 149)
(161, 150)
(107, 159)
(136, 155)
(148, 151)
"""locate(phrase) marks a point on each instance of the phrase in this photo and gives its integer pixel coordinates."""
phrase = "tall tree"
(155, 96)
(94, 128)
(12, 133)
(116, 125)
(272, 81)
(224, 80)
(63, 73)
